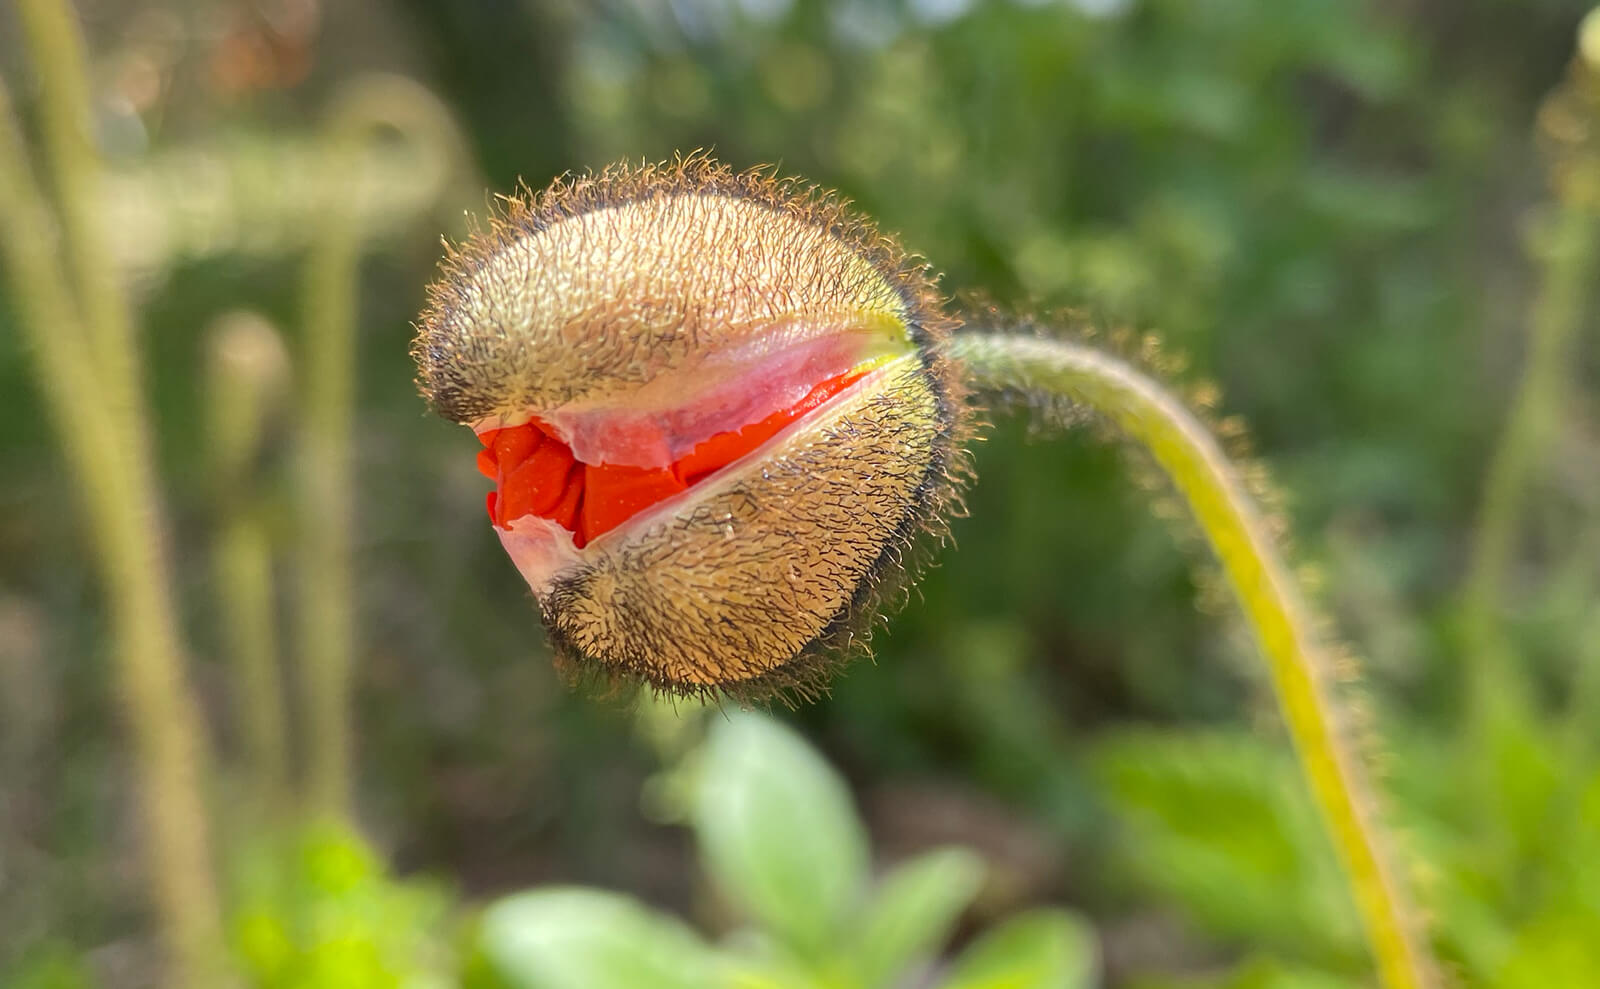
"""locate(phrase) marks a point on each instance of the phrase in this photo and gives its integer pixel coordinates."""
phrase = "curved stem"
(122, 506)
(67, 126)
(328, 483)
(1208, 482)
(246, 374)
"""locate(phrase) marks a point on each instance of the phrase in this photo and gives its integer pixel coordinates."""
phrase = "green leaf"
(574, 938)
(916, 906)
(1221, 823)
(777, 830)
(1555, 949)
(754, 959)
(1041, 949)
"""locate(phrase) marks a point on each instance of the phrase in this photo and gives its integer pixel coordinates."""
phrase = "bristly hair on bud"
(718, 413)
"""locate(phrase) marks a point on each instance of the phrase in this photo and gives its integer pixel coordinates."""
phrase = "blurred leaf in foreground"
(572, 938)
(916, 907)
(1044, 949)
(778, 832)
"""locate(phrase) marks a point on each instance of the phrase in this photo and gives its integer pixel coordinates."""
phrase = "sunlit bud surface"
(715, 410)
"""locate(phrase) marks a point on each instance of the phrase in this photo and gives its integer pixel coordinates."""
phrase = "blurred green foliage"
(781, 841)
(317, 910)
(1326, 207)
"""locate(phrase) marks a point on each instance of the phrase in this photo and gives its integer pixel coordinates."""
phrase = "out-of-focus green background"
(1342, 214)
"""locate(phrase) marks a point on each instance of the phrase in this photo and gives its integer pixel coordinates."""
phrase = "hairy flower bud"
(717, 410)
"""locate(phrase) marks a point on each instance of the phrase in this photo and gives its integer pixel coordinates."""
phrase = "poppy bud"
(716, 409)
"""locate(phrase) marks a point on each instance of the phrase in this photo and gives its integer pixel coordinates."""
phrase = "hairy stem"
(327, 490)
(104, 445)
(1568, 260)
(1566, 247)
(1214, 491)
(327, 486)
(67, 125)
(246, 375)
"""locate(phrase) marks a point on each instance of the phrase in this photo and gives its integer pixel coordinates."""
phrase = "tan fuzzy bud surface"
(640, 312)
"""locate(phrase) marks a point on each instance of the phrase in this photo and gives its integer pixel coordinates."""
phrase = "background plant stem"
(328, 485)
(1211, 486)
(247, 372)
(103, 440)
(1567, 253)
(67, 126)
(327, 489)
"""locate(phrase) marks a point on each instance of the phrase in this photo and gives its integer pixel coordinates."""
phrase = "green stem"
(327, 483)
(117, 486)
(67, 124)
(246, 376)
(1568, 257)
(1214, 491)
(327, 489)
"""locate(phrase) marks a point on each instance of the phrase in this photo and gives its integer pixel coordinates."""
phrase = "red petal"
(537, 474)
(537, 485)
(613, 494)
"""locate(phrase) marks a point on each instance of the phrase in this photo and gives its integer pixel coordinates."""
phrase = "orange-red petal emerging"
(535, 473)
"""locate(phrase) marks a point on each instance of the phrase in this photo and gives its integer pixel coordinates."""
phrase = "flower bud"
(716, 409)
